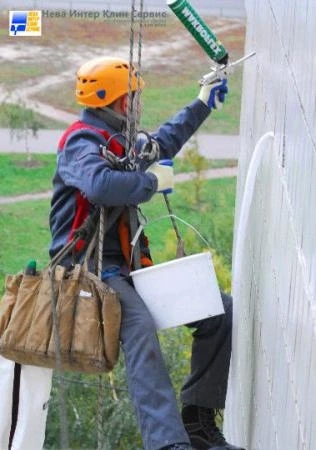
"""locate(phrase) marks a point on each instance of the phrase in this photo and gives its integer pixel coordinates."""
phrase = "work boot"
(178, 447)
(200, 425)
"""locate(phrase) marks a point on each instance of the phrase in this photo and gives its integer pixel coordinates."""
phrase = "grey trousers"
(149, 384)
(211, 349)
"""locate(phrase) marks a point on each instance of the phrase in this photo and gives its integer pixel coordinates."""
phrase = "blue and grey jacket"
(80, 168)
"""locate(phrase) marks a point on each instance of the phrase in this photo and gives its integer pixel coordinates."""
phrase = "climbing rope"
(139, 64)
(100, 380)
(130, 122)
(133, 116)
(132, 125)
(133, 108)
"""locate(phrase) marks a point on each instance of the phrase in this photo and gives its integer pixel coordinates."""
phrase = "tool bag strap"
(88, 231)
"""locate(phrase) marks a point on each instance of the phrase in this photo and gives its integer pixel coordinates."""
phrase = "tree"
(21, 121)
(199, 163)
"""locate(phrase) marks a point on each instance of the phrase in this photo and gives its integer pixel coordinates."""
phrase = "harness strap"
(124, 234)
(83, 206)
(133, 223)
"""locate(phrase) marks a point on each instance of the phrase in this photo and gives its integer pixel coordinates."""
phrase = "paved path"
(211, 146)
(215, 146)
(6, 200)
(225, 172)
(28, 90)
(179, 178)
(221, 147)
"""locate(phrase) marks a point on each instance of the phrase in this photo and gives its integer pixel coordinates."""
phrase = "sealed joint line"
(254, 165)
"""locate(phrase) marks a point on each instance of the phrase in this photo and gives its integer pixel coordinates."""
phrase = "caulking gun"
(220, 72)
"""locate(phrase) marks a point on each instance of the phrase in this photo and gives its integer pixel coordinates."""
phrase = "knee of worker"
(138, 329)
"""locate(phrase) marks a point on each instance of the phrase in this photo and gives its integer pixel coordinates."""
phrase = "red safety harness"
(83, 206)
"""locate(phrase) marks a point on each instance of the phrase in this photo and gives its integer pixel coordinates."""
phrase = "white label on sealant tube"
(202, 31)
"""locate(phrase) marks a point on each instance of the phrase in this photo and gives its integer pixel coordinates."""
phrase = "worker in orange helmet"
(96, 169)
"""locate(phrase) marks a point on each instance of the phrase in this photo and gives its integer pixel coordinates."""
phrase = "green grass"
(16, 178)
(25, 231)
(13, 73)
(25, 235)
(181, 166)
(61, 96)
(162, 98)
(7, 109)
(213, 218)
(171, 81)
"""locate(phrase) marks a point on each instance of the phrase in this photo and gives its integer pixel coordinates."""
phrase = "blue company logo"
(18, 22)
(25, 23)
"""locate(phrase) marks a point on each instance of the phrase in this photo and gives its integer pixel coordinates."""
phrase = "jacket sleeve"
(173, 134)
(81, 166)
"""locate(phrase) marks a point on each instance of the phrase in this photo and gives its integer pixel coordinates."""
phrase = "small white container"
(180, 291)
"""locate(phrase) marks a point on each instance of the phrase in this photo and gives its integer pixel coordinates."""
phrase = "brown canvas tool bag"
(58, 318)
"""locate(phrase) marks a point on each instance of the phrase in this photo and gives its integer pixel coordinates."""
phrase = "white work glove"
(213, 95)
(164, 175)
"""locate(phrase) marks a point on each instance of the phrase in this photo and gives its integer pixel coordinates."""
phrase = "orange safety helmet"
(102, 80)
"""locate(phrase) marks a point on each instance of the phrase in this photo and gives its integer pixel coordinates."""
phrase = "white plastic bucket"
(180, 291)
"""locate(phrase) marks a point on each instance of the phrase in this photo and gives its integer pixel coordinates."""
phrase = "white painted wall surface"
(271, 402)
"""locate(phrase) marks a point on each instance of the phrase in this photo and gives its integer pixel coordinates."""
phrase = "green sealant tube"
(199, 30)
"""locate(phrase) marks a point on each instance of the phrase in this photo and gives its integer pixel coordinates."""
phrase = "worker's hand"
(213, 95)
(164, 175)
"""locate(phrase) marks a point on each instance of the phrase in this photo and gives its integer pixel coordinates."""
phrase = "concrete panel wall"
(271, 402)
